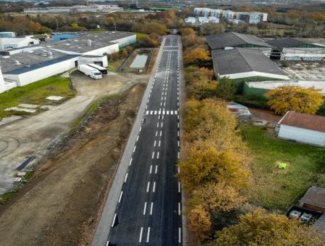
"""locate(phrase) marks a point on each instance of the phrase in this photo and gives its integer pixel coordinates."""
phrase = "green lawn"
(35, 93)
(279, 189)
(113, 66)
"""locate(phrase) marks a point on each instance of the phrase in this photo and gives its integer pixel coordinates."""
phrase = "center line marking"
(156, 170)
(159, 143)
(179, 235)
(145, 208)
(150, 169)
(153, 155)
(154, 144)
(151, 208)
(157, 155)
(148, 235)
(148, 186)
(154, 187)
(140, 237)
(160, 133)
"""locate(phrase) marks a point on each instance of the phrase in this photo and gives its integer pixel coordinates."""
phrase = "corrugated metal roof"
(285, 43)
(240, 60)
(43, 64)
(233, 39)
(305, 121)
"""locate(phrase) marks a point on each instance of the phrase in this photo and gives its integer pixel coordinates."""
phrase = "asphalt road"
(149, 210)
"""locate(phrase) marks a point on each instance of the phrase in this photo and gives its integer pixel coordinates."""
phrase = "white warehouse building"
(303, 128)
(20, 67)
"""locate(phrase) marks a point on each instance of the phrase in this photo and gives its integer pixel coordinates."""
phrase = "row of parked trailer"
(92, 70)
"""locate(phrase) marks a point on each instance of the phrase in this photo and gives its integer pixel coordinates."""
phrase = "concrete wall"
(302, 135)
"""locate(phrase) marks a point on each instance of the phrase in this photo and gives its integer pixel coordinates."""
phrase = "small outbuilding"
(314, 199)
(240, 111)
(304, 128)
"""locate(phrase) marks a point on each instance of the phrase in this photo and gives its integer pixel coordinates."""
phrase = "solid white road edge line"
(119, 200)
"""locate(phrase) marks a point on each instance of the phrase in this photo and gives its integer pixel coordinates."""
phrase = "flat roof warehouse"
(29, 64)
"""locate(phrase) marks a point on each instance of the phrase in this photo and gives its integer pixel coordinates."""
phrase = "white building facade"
(303, 128)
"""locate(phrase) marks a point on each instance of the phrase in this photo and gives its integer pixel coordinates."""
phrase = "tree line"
(215, 167)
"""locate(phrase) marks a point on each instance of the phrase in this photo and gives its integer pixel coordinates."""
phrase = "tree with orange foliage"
(199, 222)
(295, 98)
(196, 56)
(267, 229)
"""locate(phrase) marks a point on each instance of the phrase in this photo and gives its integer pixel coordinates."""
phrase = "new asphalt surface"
(149, 209)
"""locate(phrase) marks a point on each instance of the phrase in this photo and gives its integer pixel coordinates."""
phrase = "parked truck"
(90, 71)
(100, 68)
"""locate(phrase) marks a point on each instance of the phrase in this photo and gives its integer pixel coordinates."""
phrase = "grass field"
(35, 93)
(279, 189)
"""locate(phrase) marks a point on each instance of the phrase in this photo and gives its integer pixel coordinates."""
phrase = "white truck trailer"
(90, 71)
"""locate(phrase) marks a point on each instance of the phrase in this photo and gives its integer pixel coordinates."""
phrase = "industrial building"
(93, 8)
(242, 65)
(303, 128)
(230, 40)
(290, 49)
(30, 64)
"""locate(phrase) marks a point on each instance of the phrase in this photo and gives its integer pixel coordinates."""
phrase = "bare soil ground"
(267, 115)
(60, 204)
(33, 135)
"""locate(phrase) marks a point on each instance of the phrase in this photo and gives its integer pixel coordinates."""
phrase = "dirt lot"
(267, 115)
(60, 204)
(33, 135)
